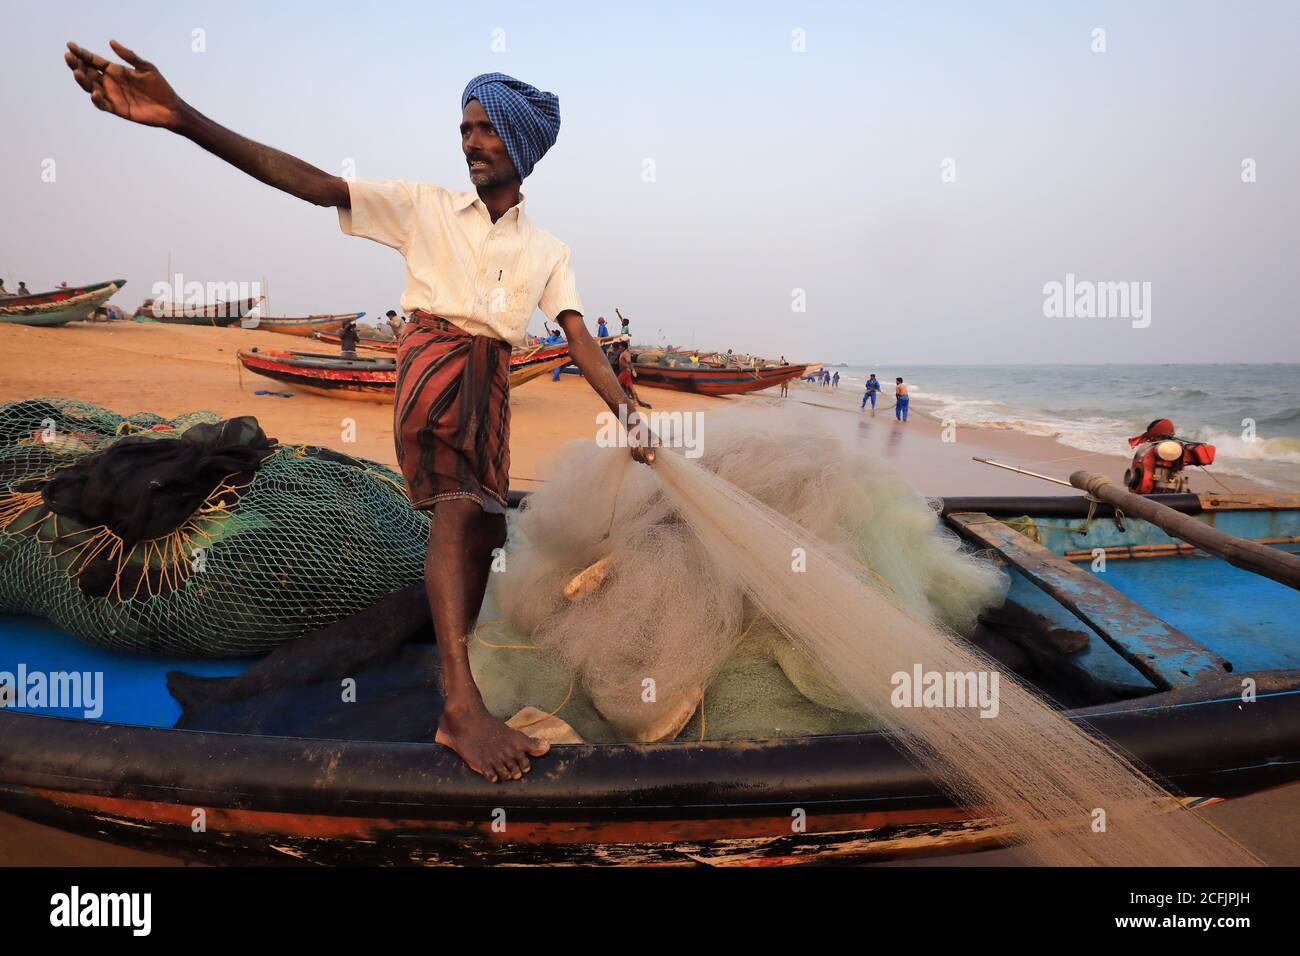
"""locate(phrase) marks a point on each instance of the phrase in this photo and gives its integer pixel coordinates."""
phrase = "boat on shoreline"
(374, 378)
(680, 374)
(1153, 655)
(58, 306)
(306, 326)
(219, 314)
(331, 337)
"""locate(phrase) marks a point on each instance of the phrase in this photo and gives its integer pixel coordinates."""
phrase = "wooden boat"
(220, 314)
(1153, 654)
(306, 326)
(375, 378)
(704, 379)
(59, 306)
(363, 341)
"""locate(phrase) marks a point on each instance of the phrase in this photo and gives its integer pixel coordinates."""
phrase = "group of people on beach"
(5, 293)
(350, 335)
(901, 397)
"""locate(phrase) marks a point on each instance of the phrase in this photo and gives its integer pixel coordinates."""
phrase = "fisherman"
(4, 293)
(900, 400)
(554, 337)
(626, 328)
(873, 389)
(452, 409)
(348, 339)
(22, 288)
(395, 323)
(627, 372)
(602, 331)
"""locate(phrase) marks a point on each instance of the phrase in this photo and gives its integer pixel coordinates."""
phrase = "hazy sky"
(774, 170)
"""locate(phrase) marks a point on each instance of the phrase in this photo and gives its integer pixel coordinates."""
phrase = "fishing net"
(657, 632)
(309, 537)
(1070, 798)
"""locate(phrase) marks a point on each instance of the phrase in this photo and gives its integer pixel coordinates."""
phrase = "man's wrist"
(188, 120)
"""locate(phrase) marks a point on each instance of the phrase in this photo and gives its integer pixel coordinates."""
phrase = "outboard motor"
(1160, 458)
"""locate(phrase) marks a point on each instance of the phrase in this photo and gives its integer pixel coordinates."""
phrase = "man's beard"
(492, 176)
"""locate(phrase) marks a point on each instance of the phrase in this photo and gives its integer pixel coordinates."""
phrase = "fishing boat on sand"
(372, 379)
(664, 370)
(58, 306)
(364, 340)
(219, 314)
(306, 326)
(1184, 660)
(375, 378)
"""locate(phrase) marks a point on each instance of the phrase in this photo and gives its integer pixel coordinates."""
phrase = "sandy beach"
(131, 367)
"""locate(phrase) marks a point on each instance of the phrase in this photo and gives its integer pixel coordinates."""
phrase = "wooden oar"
(1240, 552)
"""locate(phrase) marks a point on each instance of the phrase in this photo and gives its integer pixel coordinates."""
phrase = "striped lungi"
(451, 414)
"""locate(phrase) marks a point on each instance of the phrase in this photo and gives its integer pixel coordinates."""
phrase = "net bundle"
(669, 643)
(310, 537)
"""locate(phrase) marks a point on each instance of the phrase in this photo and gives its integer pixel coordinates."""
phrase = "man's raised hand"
(137, 92)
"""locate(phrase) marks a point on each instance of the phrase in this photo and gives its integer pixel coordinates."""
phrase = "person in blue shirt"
(553, 337)
(873, 389)
(601, 329)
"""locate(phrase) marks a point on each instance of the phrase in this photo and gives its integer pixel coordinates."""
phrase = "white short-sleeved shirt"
(484, 277)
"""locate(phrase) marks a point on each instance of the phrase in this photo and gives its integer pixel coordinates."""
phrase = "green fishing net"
(314, 537)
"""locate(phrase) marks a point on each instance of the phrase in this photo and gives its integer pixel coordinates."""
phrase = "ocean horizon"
(1249, 412)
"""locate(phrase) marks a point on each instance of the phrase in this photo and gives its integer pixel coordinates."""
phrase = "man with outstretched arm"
(476, 267)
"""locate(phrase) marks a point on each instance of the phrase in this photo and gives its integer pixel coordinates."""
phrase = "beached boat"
(219, 314)
(363, 341)
(706, 379)
(1186, 662)
(58, 306)
(306, 326)
(375, 378)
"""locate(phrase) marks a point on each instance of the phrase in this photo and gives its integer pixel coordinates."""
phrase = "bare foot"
(487, 745)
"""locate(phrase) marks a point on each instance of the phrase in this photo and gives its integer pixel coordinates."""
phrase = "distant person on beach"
(873, 389)
(553, 337)
(4, 293)
(835, 380)
(395, 323)
(348, 339)
(627, 372)
(602, 330)
(453, 365)
(900, 400)
(22, 288)
(626, 328)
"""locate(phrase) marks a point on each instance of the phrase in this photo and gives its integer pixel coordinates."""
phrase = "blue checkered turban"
(526, 118)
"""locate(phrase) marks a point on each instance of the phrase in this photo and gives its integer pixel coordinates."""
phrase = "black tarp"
(386, 651)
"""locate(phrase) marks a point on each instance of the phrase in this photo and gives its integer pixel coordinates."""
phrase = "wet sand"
(131, 367)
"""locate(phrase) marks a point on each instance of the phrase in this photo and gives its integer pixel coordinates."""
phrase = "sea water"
(1251, 413)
